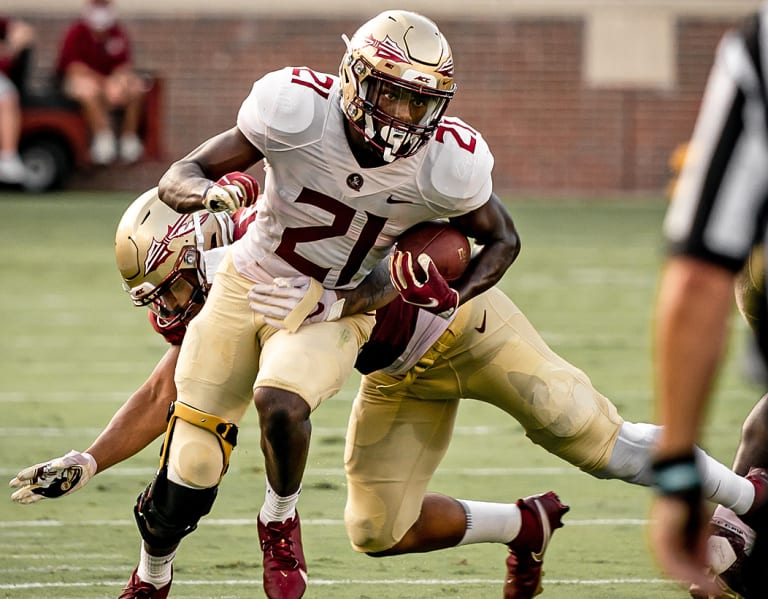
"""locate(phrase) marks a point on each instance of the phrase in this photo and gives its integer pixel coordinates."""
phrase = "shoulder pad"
(459, 165)
(286, 108)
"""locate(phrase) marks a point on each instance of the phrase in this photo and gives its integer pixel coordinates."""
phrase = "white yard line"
(346, 582)
(10, 524)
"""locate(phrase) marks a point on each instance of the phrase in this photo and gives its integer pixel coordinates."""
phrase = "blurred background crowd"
(585, 97)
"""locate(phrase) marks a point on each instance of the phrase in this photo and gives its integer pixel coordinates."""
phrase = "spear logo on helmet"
(159, 252)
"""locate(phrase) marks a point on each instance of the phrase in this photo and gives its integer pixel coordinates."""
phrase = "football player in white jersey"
(351, 162)
(715, 222)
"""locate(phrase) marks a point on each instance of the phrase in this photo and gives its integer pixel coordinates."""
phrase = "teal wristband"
(677, 476)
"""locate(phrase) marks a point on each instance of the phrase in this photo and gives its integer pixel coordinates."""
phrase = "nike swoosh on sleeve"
(391, 200)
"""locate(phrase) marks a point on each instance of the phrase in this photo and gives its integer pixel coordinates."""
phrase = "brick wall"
(520, 83)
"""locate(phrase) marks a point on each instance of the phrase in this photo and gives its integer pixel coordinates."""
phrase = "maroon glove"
(249, 187)
(422, 284)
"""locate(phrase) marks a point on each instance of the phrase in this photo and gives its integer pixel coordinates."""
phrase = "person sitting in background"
(15, 37)
(94, 67)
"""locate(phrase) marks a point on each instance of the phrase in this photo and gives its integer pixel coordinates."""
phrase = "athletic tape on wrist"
(336, 309)
(305, 307)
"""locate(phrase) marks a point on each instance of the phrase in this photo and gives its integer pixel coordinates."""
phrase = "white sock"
(490, 522)
(722, 485)
(277, 508)
(156, 570)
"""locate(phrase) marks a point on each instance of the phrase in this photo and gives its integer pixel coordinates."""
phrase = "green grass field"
(73, 348)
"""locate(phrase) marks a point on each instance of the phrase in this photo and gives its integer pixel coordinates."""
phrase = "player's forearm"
(692, 322)
(487, 268)
(492, 227)
(182, 186)
(141, 420)
(131, 429)
(374, 292)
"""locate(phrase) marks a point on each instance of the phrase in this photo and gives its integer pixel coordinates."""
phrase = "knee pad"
(364, 536)
(166, 512)
(197, 447)
(631, 457)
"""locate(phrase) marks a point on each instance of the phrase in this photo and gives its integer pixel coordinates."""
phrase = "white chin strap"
(212, 257)
(393, 139)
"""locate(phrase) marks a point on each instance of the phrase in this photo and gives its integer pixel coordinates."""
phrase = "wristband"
(336, 309)
(677, 476)
(206, 190)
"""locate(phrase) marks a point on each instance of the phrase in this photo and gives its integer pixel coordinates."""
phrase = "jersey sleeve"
(395, 323)
(720, 198)
(456, 177)
(285, 109)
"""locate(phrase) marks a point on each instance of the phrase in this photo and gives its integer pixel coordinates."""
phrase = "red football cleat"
(541, 515)
(137, 589)
(285, 571)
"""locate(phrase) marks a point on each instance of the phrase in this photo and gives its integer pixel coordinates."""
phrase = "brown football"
(446, 245)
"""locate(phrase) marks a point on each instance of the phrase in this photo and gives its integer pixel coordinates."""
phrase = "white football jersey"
(321, 214)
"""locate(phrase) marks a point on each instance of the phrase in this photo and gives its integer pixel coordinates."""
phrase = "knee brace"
(167, 512)
(199, 456)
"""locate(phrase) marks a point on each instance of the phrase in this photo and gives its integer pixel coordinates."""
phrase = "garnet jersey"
(720, 204)
(102, 53)
(324, 216)
(401, 336)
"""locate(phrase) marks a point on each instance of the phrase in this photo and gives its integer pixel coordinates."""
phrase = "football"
(446, 245)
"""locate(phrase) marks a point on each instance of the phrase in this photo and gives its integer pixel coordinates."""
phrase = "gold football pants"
(229, 350)
(400, 427)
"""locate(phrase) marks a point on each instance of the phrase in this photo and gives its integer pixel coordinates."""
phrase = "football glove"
(223, 198)
(56, 478)
(289, 303)
(249, 187)
(423, 285)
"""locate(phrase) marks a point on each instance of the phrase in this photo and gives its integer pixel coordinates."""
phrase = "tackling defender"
(488, 351)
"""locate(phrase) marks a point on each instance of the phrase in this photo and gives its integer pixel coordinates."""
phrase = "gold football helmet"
(161, 256)
(396, 81)
(750, 289)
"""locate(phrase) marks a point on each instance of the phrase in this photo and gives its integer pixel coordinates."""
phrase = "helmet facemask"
(396, 82)
(397, 116)
(178, 297)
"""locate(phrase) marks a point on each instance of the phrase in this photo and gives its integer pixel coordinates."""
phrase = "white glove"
(56, 478)
(223, 198)
(289, 303)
